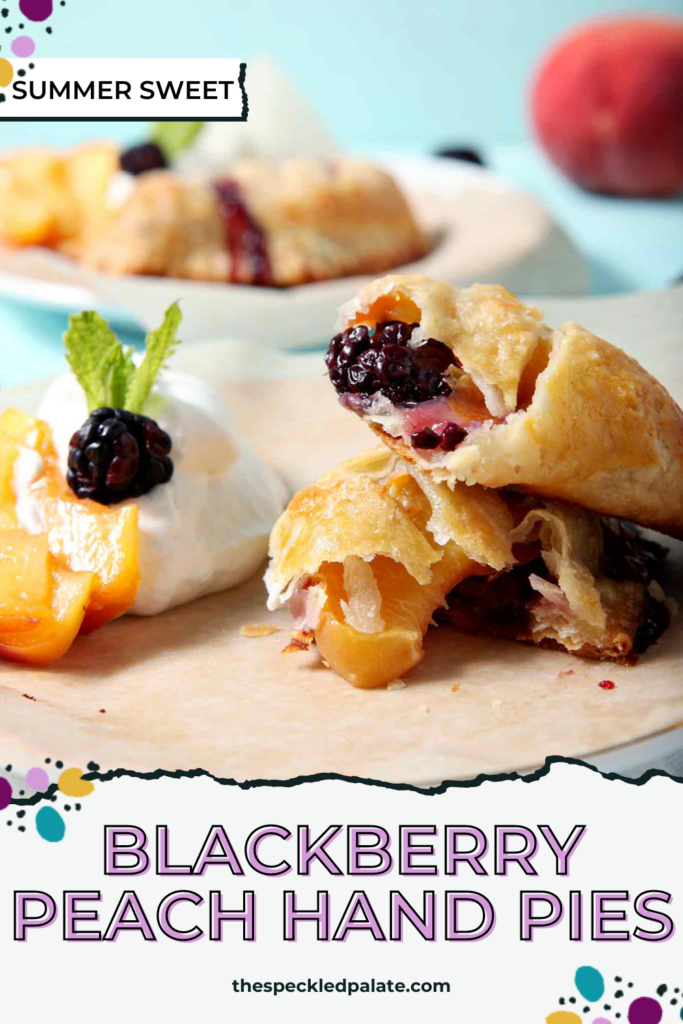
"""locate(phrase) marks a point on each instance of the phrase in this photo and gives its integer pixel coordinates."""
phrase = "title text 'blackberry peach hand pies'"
(470, 385)
(371, 554)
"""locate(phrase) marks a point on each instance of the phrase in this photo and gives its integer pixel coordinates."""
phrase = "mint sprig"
(159, 345)
(172, 137)
(105, 368)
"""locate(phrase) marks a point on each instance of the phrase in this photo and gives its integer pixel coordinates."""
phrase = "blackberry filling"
(626, 555)
(140, 159)
(364, 363)
(245, 240)
(117, 455)
(656, 619)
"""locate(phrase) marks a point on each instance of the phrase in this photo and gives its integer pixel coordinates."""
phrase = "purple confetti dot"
(38, 779)
(644, 1011)
(23, 46)
(36, 10)
(5, 794)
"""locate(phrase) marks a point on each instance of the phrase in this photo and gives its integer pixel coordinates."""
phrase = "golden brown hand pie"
(470, 385)
(369, 555)
(264, 224)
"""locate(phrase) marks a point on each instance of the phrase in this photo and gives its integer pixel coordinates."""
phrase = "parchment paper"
(186, 690)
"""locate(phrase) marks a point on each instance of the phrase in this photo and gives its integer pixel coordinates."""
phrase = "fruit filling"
(506, 604)
(417, 380)
(361, 362)
(246, 242)
(117, 455)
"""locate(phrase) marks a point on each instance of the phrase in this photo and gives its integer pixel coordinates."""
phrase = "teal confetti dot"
(50, 825)
(590, 983)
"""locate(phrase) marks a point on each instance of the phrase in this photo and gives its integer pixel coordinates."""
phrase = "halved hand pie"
(470, 385)
(372, 552)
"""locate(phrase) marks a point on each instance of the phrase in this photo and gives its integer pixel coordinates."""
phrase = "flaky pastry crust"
(565, 414)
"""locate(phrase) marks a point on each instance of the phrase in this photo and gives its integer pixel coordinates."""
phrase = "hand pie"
(371, 554)
(265, 224)
(470, 385)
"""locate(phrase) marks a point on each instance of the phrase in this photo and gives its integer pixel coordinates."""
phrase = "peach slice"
(83, 536)
(42, 606)
(369, 660)
(377, 606)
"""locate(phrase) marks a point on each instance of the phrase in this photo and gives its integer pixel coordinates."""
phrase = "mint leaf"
(159, 345)
(94, 354)
(121, 377)
(173, 137)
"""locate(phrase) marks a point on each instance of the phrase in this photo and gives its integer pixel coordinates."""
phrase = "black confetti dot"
(607, 1006)
(561, 1001)
(618, 994)
(48, 760)
(31, 66)
(586, 1009)
(9, 822)
(8, 29)
(5, 12)
(21, 792)
(92, 767)
(630, 984)
(59, 764)
(67, 807)
(2, 97)
(673, 1002)
(661, 990)
(21, 26)
(21, 814)
(22, 828)
(49, 31)
(9, 769)
(617, 979)
(78, 807)
(571, 999)
(21, 72)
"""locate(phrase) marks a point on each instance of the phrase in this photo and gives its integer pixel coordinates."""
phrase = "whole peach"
(607, 106)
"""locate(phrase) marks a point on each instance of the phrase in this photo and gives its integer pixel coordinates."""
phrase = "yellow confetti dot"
(563, 1017)
(6, 72)
(72, 783)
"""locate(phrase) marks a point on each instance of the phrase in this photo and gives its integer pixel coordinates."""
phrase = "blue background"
(386, 75)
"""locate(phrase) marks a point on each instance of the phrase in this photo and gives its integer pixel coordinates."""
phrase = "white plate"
(483, 230)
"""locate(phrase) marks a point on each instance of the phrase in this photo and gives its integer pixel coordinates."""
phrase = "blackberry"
(448, 440)
(451, 436)
(117, 455)
(140, 159)
(425, 438)
(361, 363)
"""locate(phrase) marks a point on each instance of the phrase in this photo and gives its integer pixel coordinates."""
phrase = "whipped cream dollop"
(205, 530)
(282, 125)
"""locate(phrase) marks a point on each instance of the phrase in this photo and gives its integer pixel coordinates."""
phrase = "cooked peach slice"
(41, 605)
(88, 537)
(365, 557)
(82, 535)
(89, 170)
(36, 207)
(372, 659)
